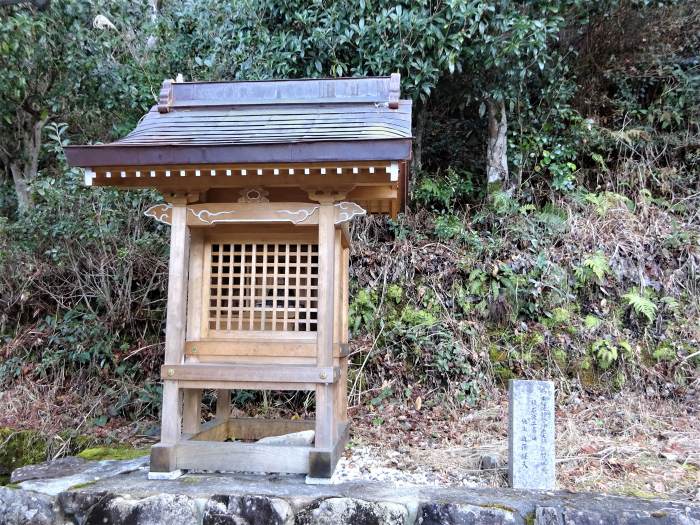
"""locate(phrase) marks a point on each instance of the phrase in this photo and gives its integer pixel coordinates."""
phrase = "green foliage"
(270, 39)
(394, 293)
(608, 352)
(591, 322)
(603, 202)
(605, 352)
(412, 317)
(57, 65)
(82, 276)
(674, 93)
(559, 166)
(641, 304)
(362, 310)
(448, 226)
(559, 316)
(664, 352)
(444, 191)
(593, 268)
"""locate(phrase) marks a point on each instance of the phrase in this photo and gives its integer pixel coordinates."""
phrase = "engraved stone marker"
(531, 435)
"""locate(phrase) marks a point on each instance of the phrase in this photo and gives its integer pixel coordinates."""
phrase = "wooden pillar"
(344, 336)
(191, 410)
(171, 415)
(223, 405)
(326, 428)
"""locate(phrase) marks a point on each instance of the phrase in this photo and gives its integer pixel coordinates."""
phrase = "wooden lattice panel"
(271, 286)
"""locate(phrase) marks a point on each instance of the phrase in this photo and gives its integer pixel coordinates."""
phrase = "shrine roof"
(309, 120)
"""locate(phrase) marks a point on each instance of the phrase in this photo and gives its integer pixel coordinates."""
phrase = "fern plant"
(605, 352)
(641, 304)
(593, 268)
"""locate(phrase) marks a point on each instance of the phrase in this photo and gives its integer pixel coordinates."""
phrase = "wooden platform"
(209, 450)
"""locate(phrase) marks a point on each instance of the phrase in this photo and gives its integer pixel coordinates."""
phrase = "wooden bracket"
(329, 195)
(181, 197)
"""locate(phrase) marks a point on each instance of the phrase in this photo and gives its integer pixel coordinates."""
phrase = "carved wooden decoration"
(253, 195)
(270, 212)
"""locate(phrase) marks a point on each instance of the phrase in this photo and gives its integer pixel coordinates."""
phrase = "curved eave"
(147, 155)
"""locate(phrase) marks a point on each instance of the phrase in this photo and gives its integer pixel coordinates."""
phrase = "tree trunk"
(497, 178)
(421, 116)
(24, 199)
(25, 169)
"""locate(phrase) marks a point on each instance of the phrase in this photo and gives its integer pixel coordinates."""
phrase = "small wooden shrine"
(260, 180)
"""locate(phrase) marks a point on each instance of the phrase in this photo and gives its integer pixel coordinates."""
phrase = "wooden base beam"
(207, 449)
(250, 428)
(237, 457)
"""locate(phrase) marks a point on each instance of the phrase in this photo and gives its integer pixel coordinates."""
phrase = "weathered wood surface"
(191, 411)
(223, 405)
(325, 394)
(298, 213)
(232, 457)
(250, 428)
(258, 348)
(224, 384)
(251, 373)
(171, 419)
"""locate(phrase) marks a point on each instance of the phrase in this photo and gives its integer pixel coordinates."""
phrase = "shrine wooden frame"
(263, 360)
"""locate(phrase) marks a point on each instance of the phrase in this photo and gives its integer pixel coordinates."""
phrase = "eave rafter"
(231, 175)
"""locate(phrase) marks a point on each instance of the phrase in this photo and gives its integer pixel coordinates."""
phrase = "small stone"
(547, 516)
(350, 511)
(49, 469)
(91, 471)
(18, 507)
(463, 514)
(295, 439)
(489, 462)
(153, 510)
(253, 510)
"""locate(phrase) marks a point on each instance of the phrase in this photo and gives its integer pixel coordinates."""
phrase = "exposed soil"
(627, 445)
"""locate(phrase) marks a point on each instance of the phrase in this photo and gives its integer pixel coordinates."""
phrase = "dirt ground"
(629, 444)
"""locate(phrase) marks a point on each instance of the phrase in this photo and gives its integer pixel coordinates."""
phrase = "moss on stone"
(100, 453)
(21, 447)
(500, 506)
(639, 493)
(191, 480)
(82, 485)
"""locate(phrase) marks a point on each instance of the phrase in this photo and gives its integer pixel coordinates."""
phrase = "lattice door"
(271, 286)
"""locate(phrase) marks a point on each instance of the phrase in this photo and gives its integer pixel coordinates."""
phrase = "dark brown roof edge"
(134, 155)
(284, 91)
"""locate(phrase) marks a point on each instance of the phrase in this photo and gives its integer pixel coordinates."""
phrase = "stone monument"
(531, 459)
